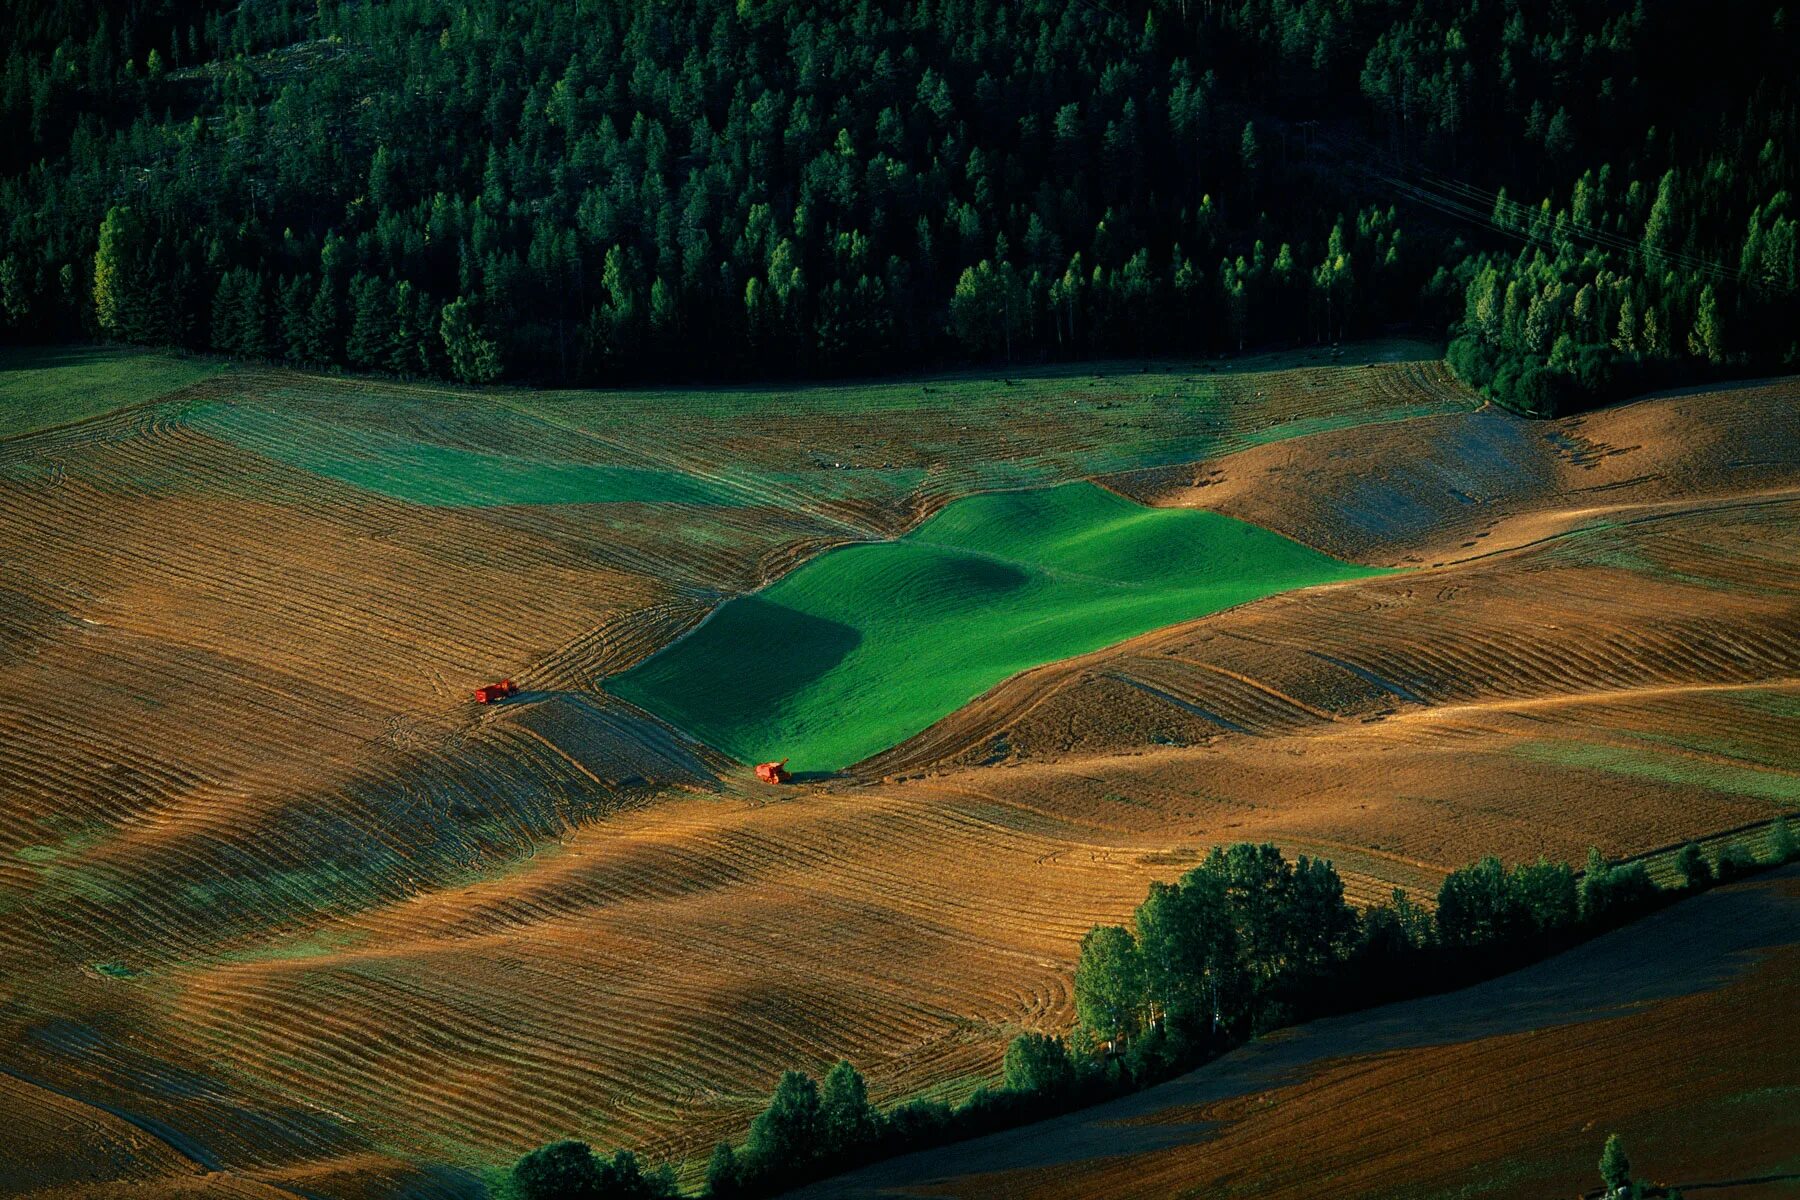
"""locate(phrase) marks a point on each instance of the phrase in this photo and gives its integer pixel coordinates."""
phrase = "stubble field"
(277, 901)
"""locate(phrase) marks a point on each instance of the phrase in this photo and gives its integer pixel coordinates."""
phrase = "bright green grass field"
(56, 385)
(867, 645)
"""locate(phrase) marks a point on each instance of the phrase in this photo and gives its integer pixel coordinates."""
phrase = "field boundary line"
(1651, 691)
(1767, 498)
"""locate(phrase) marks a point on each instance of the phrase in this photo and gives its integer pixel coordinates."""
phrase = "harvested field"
(1673, 1032)
(273, 887)
(1473, 483)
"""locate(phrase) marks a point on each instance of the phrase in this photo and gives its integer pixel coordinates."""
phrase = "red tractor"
(773, 772)
(493, 693)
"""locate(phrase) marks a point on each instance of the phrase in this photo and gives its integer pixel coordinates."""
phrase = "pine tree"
(112, 271)
(296, 319)
(371, 322)
(227, 311)
(321, 342)
(404, 332)
(1707, 339)
(252, 317)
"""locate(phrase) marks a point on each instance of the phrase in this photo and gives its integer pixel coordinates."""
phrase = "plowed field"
(279, 901)
(1674, 1033)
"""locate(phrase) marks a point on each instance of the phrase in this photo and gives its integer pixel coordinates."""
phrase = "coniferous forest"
(1584, 198)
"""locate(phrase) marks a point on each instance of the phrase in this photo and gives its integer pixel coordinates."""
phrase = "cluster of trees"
(808, 1130)
(1581, 313)
(1245, 942)
(570, 1170)
(606, 190)
(1248, 941)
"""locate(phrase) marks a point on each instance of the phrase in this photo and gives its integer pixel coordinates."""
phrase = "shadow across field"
(1693, 946)
(865, 646)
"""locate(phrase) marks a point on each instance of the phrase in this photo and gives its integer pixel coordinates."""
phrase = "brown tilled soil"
(272, 887)
(1675, 1033)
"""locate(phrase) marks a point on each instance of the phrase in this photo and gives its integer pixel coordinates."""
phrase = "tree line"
(1242, 944)
(609, 190)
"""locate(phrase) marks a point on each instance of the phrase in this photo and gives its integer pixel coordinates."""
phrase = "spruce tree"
(227, 313)
(371, 322)
(321, 334)
(252, 316)
(405, 335)
(296, 319)
(1708, 338)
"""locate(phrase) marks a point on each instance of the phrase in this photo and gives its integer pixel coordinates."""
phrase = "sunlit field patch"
(869, 644)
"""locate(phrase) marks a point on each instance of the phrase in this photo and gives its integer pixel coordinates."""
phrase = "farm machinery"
(773, 772)
(493, 693)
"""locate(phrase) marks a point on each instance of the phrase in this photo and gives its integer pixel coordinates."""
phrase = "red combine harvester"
(493, 693)
(775, 772)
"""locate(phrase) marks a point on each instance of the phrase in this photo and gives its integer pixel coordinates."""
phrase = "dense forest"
(1585, 196)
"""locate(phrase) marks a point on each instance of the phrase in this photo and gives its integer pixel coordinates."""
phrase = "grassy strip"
(42, 387)
(866, 646)
(424, 472)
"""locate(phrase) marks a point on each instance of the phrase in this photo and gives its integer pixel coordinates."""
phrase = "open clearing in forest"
(867, 645)
(273, 887)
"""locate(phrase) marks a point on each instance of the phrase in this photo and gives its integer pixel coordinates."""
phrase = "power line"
(1468, 202)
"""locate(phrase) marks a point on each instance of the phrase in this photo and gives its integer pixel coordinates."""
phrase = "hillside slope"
(273, 884)
(1670, 1032)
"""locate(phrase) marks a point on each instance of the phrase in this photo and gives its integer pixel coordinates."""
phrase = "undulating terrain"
(1669, 1030)
(279, 903)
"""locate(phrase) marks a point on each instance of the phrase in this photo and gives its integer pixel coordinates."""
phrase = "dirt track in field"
(1673, 1032)
(272, 886)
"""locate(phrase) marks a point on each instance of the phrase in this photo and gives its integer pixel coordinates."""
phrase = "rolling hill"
(279, 898)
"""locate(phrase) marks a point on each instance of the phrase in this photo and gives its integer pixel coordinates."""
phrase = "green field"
(420, 471)
(876, 443)
(53, 386)
(867, 645)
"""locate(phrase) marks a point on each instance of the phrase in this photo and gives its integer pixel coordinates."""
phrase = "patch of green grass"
(867, 645)
(1780, 787)
(425, 472)
(41, 387)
